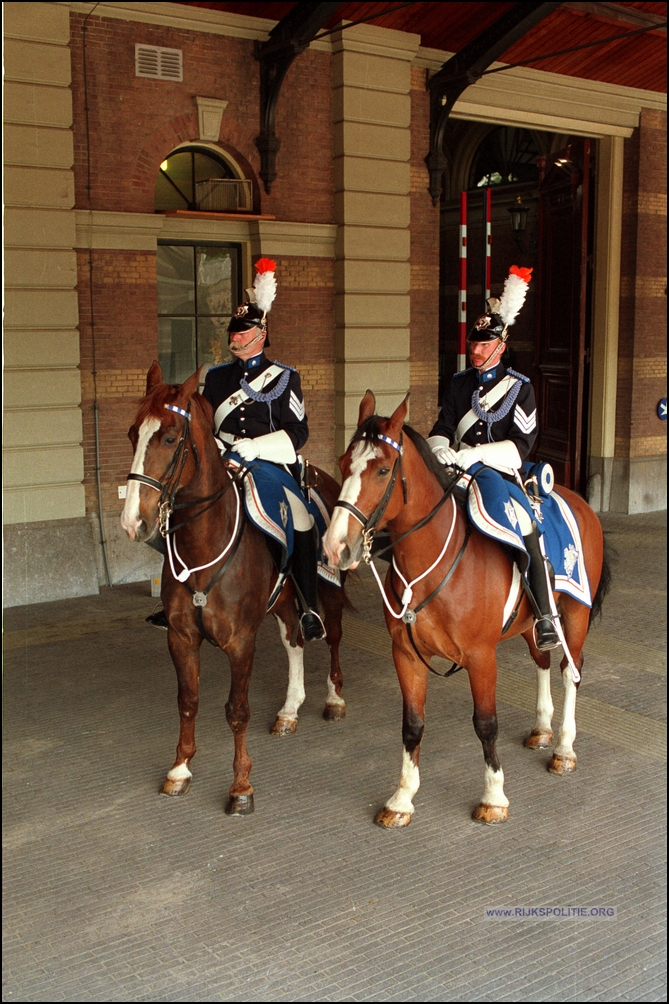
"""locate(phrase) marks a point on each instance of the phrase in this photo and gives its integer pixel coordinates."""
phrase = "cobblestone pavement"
(115, 893)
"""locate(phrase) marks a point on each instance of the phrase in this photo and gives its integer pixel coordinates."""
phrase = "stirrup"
(159, 620)
(312, 626)
(546, 637)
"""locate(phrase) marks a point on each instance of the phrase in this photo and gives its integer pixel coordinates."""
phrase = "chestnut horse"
(453, 584)
(177, 471)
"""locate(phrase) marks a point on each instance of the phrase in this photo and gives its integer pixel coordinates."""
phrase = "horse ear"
(190, 386)
(154, 376)
(399, 415)
(367, 407)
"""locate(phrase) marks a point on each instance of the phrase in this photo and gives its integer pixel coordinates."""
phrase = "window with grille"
(199, 286)
(161, 64)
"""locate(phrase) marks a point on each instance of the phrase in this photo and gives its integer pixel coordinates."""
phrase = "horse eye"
(383, 471)
(169, 440)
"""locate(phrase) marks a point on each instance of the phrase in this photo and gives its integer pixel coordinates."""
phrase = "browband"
(179, 411)
(386, 439)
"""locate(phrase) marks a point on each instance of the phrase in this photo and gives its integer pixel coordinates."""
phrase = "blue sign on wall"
(662, 409)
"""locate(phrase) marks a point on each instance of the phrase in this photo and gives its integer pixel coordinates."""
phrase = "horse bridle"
(169, 483)
(370, 523)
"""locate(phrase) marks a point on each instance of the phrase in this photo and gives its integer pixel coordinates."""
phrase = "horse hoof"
(560, 764)
(388, 819)
(239, 805)
(334, 712)
(538, 740)
(283, 726)
(490, 813)
(178, 787)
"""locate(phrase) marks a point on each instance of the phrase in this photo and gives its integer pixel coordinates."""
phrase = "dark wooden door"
(562, 313)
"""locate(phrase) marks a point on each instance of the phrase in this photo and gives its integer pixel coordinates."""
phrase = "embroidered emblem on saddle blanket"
(268, 508)
(492, 512)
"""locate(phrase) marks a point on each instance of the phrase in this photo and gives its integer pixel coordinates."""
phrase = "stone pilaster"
(372, 149)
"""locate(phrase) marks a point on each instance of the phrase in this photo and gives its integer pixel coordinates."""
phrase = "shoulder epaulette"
(284, 366)
(462, 372)
(519, 376)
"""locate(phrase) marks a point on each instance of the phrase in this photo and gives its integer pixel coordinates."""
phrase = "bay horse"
(452, 583)
(177, 470)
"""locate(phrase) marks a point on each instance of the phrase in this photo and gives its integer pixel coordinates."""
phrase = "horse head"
(370, 495)
(164, 441)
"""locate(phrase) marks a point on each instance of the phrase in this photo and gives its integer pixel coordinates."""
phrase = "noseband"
(370, 523)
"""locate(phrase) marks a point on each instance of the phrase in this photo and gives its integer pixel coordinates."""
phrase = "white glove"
(275, 446)
(502, 456)
(246, 448)
(441, 448)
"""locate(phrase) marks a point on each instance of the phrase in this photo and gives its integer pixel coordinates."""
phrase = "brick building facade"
(349, 221)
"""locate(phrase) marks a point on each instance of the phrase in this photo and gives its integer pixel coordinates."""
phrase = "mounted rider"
(488, 417)
(259, 414)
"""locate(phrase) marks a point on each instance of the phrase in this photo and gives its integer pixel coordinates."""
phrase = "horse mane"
(371, 430)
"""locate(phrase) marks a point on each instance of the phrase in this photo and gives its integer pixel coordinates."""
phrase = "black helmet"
(490, 325)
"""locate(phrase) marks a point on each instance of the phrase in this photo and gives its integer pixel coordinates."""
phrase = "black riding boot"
(546, 635)
(305, 576)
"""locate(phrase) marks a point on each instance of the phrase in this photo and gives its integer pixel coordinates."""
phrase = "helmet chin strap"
(242, 348)
(487, 364)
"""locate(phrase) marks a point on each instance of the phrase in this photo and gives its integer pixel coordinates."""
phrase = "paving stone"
(113, 892)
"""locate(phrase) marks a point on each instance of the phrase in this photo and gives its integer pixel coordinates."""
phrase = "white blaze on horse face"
(130, 519)
(401, 801)
(335, 537)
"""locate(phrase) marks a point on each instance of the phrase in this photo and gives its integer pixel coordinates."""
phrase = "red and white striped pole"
(487, 202)
(462, 293)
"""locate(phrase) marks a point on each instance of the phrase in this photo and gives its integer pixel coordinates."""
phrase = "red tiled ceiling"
(635, 62)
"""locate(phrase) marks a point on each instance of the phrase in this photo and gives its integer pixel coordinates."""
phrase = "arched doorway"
(515, 163)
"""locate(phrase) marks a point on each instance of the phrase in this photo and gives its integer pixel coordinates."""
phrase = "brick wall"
(301, 332)
(424, 262)
(642, 359)
(134, 122)
(125, 315)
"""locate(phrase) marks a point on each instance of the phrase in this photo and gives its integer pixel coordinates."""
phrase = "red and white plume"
(264, 284)
(515, 291)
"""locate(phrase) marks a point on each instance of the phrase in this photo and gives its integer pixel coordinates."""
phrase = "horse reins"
(369, 525)
(168, 487)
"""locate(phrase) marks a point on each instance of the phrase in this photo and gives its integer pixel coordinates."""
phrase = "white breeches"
(524, 521)
(302, 519)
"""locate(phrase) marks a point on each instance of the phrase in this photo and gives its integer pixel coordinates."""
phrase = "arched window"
(195, 178)
(507, 156)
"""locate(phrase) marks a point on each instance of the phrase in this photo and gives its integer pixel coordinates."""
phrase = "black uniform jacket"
(519, 425)
(251, 419)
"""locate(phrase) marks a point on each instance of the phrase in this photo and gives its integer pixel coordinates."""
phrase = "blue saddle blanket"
(491, 512)
(267, 507)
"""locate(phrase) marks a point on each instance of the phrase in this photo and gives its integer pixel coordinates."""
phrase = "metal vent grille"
(161, 64)
(220, 195)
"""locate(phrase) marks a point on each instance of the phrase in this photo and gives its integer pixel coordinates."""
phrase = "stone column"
(48, 541)
(372, 148)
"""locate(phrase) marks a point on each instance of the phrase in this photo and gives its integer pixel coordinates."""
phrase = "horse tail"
(609, 556)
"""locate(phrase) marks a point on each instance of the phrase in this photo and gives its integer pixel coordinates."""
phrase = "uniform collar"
(492, 375)
(254, 363)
